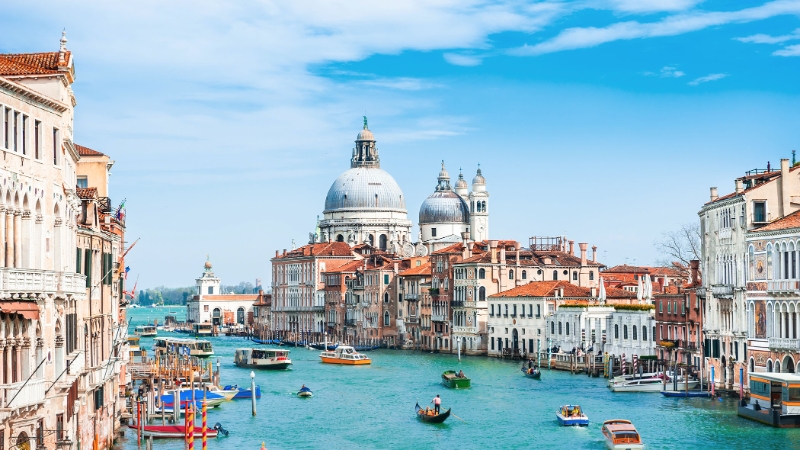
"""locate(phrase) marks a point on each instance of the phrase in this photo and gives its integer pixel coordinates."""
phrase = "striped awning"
(28, 310)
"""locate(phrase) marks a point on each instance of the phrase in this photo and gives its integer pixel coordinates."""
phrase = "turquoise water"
(373, 407)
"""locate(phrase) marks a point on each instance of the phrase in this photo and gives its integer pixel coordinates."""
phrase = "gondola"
(321, 346)
(439, 418)
(537, 374)
(266, 341)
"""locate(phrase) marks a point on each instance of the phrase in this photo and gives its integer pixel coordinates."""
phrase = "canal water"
(373, 407)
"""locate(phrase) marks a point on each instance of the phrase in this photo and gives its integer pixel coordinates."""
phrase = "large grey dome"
(365, 188)
(444, 207)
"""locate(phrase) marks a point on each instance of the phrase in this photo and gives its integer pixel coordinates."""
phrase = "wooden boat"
(365, 348)
(438, 418)
(321, 346)
(572, 415)
(620, 434)
(344, 354)
(304, 392)
(268, 359)
(171, 431)
(632, 377)
(146, 330)
(533, 372)
(242, 392)
(451, 379)
(212, 399)
(686, 394)
(266, 341)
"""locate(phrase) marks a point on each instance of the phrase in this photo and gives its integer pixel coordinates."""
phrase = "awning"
(28, 310)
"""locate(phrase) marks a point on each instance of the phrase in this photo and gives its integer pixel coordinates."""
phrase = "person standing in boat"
(437, 403)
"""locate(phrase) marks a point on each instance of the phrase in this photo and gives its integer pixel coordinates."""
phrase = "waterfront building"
(342, 311)
(210, 305)
(631, 330)
(59, 318)
(298, 298)
(262, 315)
(773, 296)
(664, 279)
(414, 283)
(679, 322)
(760, 197)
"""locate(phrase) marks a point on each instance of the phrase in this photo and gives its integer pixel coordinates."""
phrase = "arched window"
(510, 274)
(567, 328)
(552, 328)
(385, 297)
(482, 274)
(624, 332)
(524, 275)
(382, 242)
(240, 315)
(482, 293)
(386, 318)
(574, 276)
(560, 329)
(752, 366)
(634, 333)
(339, 238)
(555, 275)
(616, 331)
(591, 274)
(371, 240)
(644, 332)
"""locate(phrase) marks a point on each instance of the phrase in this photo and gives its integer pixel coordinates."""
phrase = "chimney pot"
(583, 246)
(594, 253)
(571, 247)
(714, 195)
(739, 186)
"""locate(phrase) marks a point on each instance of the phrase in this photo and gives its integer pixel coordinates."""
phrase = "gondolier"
(437, 403)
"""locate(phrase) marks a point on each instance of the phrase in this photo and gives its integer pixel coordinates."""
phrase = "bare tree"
(682, 245)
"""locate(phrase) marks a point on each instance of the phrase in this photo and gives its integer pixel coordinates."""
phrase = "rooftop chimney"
(583, 246)
(695, 267)
(493, 250)
(594, 253)
(276, 253)
(785, 194)
(467, 253)
(714, 195)
(517, 256)
(284, 252)
(502, 254)
(571, 247)
(739, 187)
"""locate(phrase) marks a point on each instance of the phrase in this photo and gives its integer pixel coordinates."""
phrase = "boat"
(305, 392)
(455, 380)
(200, 348)
(228, 394)
(572, 415)
(172, 431)
(532, 372)
(294, 343)
(146, 330)
(437, 418)
(773, 400)
(133, 343)
(344, 354)
(242, 392)
(653, 385)
(365, 348)
(266, 341)
(686, 394)
(212, 400)
(203, 329)
(269, 359)
(620, 434)
(631, 377)
(322, 346)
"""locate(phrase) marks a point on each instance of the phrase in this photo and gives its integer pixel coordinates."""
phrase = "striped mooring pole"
(190, 412)
(205, 427)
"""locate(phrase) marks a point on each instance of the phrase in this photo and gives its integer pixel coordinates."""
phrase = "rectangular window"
(55, 146)
(6, 127)
(492, 341)
(386, 278)
(40, 433)
(78, 254)
(661, 306)
(538, 311)
(515, 311)
(210, 290)
(60, 427)
(433, 232)
(759, 212)
(492, 311)
(15, 135)
(88, 266)
(83, 182)
(37, 139)
(24, 135)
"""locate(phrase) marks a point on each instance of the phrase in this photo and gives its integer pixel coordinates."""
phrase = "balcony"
(412, 319)
(31, 394)
(784, 344)
(411, 297)
(318, 308)
(465, 330)
(331, 324)
(457, 303)
(784, 286)
(438, 317)
(725, 233)
(350, 322)
(358, 286)
(722, 290)
(37, 282)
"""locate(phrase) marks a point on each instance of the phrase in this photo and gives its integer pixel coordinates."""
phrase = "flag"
(127, 269)
(121, 210)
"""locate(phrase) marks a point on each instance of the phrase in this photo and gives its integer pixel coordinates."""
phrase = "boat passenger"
(461, 374)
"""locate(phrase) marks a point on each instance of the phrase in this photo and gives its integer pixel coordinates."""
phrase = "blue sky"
(603, 120)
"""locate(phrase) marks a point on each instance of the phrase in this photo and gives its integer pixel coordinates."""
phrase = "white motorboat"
(227, 393)
(146, 330)
(631, 377)
(620, 434)
(652, 385)
(257, 358)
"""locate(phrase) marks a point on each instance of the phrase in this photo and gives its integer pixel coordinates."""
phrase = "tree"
(682, 245)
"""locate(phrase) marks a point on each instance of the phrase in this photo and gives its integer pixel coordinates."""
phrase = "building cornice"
(31, 95)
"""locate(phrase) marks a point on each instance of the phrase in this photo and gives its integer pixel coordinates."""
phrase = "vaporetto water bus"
(257, 358)
(200, 348)
(774, 400)
(146, 330)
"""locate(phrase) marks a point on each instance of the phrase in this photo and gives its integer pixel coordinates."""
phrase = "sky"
(603, 120)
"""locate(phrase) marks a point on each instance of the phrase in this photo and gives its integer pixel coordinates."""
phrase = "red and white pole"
(205, 427)
(191, 426)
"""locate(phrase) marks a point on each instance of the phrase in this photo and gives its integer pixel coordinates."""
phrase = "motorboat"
(455, 380)
(171, 431)
(212, 400)
(631, 377)
(200, 348)
(305, 392)
(270, 359)
(242, 392)
(653, 385)
(344, 354)
(146, 330)
(228, 394)
(620, 434)
(572, 415)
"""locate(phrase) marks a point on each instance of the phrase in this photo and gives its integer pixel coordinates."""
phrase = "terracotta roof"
(86, 151)
(322, 249)
(231, 297)
(31, 63)
(349, 266)
(87, 192)
(455, 248)
(424, 269)
(545, 289)
(619, 293)
(784, 223)
(773, 175)
(624, 268)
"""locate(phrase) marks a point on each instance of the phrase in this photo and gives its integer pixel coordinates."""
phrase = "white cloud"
(767, 39)
(646, 6)
(462, 60)
(707, 78)
(671, 72)
(585, 37)
(403, 83)
(792, 50)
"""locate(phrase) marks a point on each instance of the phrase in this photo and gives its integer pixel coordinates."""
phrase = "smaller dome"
(207, 265)
(444, 207)
(461, 183)
(479, 180)
(365, 135)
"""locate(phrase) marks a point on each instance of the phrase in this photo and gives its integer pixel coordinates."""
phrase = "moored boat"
(200, 348)
(146, 330)
(572, 415)
(344, 354)
(171, 431)
(620, 434)
(774, 400)
(203, 329)
(653, 385)
(423, 415)
(270, 359)
(322, 346)
(682, 393)
(212, 399)
(455, 380)
(266, 341)
(242, 392)
(228, 394)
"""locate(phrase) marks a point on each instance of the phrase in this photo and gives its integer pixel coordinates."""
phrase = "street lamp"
(253, 390)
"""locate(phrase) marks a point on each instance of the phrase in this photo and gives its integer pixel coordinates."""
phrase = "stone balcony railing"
(411, 297)
(412, 319)
(725, 233)
(722, 289)
(784, 344)
(36, 282)
(438, 317)
(465, 330)
(782, 286)
(31, 394)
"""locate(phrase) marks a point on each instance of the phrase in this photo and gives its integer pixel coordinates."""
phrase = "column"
(26, 240)
(2, 360)
(9, 237)
(39, 357)
(60, 354)
(25, 355)
(2, 236)
(17, 239)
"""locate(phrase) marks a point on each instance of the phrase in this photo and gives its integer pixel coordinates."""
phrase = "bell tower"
(365, 153)
(479, 208)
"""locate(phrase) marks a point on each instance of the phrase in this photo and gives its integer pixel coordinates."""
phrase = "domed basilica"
(366, 205)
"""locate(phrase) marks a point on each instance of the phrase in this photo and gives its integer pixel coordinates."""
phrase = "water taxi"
(242, 392)
(146, 330)
(572, 415)
(227, 393)
(344, 354)
(193, 347)
(631, 377)
(455, 380)
(620, 434)
(653, 385)
(203, 329)
(257, 358)
(171, 431)
(774, 400)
